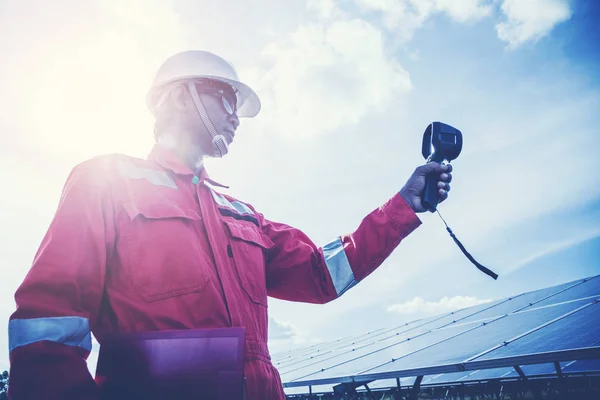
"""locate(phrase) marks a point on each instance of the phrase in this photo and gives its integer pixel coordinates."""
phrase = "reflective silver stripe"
(338, 266)
(236, 206)
(157, 178)
(72, 331)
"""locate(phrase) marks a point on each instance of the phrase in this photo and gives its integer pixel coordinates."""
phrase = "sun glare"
(92, 102)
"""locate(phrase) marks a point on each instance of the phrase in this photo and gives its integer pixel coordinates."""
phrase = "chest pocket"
(161, 250)
(247, 248)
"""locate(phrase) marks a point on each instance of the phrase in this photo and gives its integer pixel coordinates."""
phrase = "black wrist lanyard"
(466, 253)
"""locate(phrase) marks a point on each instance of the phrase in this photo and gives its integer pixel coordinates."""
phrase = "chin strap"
(219, 144)
(466, 253)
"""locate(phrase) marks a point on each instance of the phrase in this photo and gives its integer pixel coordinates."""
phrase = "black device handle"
(430, 197)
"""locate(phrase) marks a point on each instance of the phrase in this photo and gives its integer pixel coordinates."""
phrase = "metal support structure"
(520, 372)
(558, 369)
(350, 387)
(414, 392)
(542, 387)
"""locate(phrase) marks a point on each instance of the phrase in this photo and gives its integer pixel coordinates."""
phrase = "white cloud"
(284, 335)
(325, 8)
(279, 330)
(404, 17)
(398, 16)
(531, 20)
(418, 305)
(326, 76)
(463, 10)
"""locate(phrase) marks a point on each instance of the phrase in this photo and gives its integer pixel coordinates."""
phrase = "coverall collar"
(168, 160)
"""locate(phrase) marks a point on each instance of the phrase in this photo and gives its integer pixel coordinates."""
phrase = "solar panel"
(351, 350)
(588, 288)
(541, 369)
(520, 302)
(386, 383)
(304, 389)
(465, 376)
(582, 366)
(312, 352)
(303, 352)
(325, 352)
(565, 334)
(562, 317)
(461, 315)
(476, 341)
(318, 355)
(321, 352)
(332, 349)
(491, 373)
(353, 361)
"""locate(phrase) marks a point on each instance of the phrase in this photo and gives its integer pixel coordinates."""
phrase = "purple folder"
(187, 364)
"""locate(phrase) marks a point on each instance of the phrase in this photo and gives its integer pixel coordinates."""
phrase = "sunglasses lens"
(227, 105)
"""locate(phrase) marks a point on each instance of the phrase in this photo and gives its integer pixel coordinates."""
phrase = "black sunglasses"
(226, 92)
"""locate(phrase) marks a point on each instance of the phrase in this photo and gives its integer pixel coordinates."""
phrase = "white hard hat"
(198, 64)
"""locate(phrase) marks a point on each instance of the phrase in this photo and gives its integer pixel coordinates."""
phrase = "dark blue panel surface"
(541, 369)
(391, 383)
(322, 354)
(461, 336)
(466, 376)
(352, 362)
(345, 353)
(586, 289)
(578, 330)
(350, 348)
(313, 355)
(582, 366)
(465, 346)
(323, 350)
(520, 302)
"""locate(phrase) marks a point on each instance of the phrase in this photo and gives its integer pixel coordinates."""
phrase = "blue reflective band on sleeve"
(71, 331)
(338, 266)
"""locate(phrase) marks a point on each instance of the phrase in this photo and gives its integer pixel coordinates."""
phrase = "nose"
(234, 120)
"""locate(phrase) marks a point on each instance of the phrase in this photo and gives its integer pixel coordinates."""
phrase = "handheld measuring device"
(441, 143)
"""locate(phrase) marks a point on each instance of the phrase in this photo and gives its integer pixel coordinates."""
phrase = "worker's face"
(220, 108)
(186, 128)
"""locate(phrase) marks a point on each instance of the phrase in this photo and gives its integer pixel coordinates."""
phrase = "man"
(152, 245)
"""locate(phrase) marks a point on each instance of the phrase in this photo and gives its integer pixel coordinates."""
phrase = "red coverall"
(143, 245)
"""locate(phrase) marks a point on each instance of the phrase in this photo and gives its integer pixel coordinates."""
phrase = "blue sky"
(347, 89)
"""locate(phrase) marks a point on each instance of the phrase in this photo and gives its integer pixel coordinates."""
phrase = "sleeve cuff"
(402, 216)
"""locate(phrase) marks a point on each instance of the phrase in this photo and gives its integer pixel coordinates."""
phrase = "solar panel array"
(535, 330)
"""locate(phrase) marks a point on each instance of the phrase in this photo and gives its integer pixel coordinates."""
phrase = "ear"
(180, 97)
